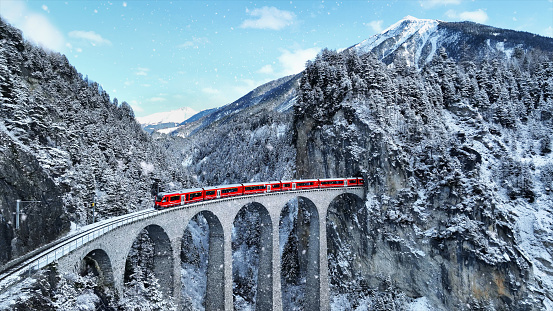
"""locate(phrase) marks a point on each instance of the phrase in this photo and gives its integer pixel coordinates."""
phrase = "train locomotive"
(165, 200)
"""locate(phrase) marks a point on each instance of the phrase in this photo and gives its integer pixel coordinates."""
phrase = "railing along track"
(24, 266)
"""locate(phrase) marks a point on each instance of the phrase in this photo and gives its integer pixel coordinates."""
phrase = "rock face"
(454, 161)
(22, 177)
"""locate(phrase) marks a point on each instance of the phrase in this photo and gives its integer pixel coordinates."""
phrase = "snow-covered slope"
(174, 116)
(416, 41)
(410, 34)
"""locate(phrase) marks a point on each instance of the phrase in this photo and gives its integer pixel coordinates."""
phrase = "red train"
(171, 199)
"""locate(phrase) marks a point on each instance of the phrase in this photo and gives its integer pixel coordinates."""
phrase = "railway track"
(26, 265)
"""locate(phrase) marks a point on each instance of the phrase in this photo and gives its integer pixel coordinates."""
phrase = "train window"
(164, 199)
(229, 190)
(249, 188)
(303, 184)
(275, 186)
(286, 185)
(159, 198)
(195, 195)
(211, 192)
(174, 198)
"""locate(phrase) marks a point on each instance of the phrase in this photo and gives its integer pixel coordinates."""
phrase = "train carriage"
(287, 185)
(166, 200)
(218, 192)
(332, 182)
(172, 199)
(253, 188)
(192, 195)
(273, 186)
(305, 184)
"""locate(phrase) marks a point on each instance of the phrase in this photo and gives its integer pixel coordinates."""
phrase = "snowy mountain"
(276, 95)
(166, 120)
(457, 158)
(417, 41)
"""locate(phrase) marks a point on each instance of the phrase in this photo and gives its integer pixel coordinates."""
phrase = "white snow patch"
(420, 304)
(147, 168)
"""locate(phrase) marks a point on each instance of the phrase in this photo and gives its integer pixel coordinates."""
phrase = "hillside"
(450, 124)
(457, 161)
(66, 144)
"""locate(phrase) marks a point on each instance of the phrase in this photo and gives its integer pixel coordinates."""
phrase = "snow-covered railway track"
(24, 266)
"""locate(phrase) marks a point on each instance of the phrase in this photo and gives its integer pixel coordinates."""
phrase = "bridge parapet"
(113, 239)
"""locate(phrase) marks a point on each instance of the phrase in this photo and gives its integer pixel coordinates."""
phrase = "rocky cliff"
(457, 165)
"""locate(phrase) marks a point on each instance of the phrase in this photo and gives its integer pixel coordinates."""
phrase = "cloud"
(142, 71)
(290, 62)
(269, 18)
(36, 27)
(136, 106)
(478, 16)
(157, 99)
(194, 43)
(376, 26)
(294, 62)
(210, 90)
(548, 31)
(430, 4)
(267, 69)
(90, 36)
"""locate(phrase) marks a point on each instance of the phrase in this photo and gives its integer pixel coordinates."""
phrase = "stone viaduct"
(109, 251)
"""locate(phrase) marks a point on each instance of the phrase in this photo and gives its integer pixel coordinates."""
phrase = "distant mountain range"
(413, 41)
(165, 120)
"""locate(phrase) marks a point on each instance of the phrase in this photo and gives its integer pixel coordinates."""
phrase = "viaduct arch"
(108, 252)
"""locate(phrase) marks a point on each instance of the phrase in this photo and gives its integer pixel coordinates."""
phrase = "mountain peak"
(410, 23)
(398, 35)
(418, 40)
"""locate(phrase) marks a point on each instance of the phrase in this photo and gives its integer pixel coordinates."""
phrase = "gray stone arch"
(299, 253)
(209, 224)
(97, 263)
(252, 246)
(159, 253)
(348, 247)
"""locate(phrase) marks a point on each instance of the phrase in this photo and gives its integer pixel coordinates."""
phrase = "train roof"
(304, 180)
(255, 183)
(181, 191)
(223, 186)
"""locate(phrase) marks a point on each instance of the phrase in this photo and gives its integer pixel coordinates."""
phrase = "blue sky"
(163, 55)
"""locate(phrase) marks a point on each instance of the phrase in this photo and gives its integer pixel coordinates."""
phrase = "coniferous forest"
(456, 156)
